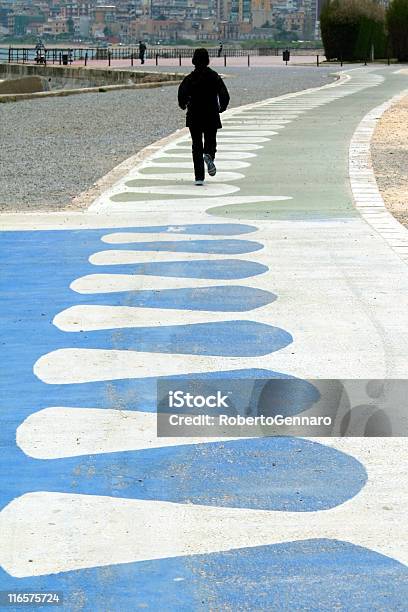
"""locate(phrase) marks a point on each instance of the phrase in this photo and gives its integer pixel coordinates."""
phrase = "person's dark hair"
(201, 58)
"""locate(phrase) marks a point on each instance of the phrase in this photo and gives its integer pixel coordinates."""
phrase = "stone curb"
(366, 194)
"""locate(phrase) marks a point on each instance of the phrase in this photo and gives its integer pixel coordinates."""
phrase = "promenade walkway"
(217, 62)
(274, 267)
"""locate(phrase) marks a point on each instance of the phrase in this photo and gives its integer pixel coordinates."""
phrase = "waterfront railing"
(59, 55)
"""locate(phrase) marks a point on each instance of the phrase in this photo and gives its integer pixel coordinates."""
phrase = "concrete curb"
(60, 93)
(366, 194)
(100, 74)
(99, 78)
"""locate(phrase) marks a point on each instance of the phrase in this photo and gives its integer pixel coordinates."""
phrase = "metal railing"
(55, 55)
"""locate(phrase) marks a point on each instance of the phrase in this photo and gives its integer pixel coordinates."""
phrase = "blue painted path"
(280, 474)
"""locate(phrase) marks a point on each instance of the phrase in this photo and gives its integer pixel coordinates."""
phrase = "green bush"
(350, 28)
(397, 24)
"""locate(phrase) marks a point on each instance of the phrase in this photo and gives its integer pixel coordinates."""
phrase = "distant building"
(104, 14)
(4, 13)
(126, 20)
(262, 13)
(22, 24)
(76, 9)
(54, 27)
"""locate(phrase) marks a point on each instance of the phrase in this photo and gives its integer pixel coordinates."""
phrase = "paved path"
(43, 171)
(267, 270)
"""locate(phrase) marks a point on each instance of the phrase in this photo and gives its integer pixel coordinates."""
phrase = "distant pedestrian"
(220, 48)
(142, 51)
(205, 96)
(40, 53)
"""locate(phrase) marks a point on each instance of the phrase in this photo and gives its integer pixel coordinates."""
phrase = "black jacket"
(205, 96)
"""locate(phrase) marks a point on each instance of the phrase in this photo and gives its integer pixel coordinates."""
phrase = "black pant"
(210, 147)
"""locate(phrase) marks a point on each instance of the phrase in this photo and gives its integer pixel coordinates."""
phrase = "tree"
(280, 24)
(351, 28)
(281, 32)
(70, 26)
(397, 24)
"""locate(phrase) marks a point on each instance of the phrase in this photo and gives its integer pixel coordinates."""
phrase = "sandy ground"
(389, 150)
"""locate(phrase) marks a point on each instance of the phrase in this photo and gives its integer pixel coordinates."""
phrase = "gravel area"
(53, 149)
(389, 151)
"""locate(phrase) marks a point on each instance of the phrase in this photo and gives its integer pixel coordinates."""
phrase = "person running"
(142, 52)
(205, 96)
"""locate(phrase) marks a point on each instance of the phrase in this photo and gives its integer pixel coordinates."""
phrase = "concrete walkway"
(268, 270)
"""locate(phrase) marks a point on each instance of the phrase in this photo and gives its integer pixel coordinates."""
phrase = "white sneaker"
(210, 164)
(199, 182)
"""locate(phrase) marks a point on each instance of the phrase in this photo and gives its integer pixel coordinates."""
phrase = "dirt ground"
(389, 151)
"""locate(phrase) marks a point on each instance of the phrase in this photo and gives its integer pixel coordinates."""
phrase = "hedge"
(350, 28)
(397, 23)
